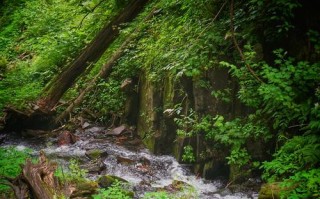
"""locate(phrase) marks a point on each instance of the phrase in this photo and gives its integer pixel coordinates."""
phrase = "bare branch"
(235, 42)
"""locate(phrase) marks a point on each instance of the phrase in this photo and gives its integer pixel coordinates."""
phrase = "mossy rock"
(107, 180)
(85, 188)
(270, 191)
(94, 154)
(180, 185)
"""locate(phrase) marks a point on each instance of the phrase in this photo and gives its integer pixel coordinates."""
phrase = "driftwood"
(105, 70)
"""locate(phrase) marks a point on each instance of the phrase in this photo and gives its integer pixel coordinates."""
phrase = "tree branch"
(220, 10)
(235, 42)
(91, 11)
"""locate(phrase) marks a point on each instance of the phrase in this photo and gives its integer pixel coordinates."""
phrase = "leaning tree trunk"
(104, 72)
(90, 55)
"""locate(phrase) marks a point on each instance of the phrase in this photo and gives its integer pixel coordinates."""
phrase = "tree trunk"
(90, 55)
(104, 72)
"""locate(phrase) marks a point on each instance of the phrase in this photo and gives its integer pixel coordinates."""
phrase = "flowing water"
(126, 158)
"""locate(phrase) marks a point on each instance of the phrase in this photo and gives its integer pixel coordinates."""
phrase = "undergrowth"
(10, 160)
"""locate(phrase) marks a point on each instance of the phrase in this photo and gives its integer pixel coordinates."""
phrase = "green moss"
(270, 191)
(94, 154)
(168, 93)
(3, 64)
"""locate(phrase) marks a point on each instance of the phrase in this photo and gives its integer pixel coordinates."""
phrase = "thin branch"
(229, 183)
(235, 42)
(91, 11)
(220, 10)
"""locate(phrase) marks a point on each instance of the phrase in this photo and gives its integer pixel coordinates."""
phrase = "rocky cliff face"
(157, 111)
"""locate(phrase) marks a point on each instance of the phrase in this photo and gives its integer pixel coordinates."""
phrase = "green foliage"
(282, 96)
(107, 98)
(303, 184)
(297, 154)
(313, 37)
(3, 65)
(157, 195)
(176, 43)
(232, 134)
(239, 157)
(188, 154)
(10, 160)
(184, 191)
(186, 123)
(289, 98)
(275, 17)
(38, 38)
(115, 191)
(73, 174)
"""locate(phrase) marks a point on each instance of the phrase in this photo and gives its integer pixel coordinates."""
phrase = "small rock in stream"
(123, 160)
(67, 138)
(85, 125)
(94, 154)
(117, 131)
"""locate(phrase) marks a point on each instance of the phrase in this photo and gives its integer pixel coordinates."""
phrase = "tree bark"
(104, 72)
(40, 178)
(90, 55)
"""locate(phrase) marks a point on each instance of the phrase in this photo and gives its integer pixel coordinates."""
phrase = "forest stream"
(124, 156)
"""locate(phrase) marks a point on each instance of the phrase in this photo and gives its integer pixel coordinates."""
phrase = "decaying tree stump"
(37, 181)
(40, 178)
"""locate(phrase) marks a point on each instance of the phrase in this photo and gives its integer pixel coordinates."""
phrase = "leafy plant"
(10, 160)
(115, 191)
(188, 154)
(297, 154)
(303, 184)
(157, 195)
(239, 157)
(73, 174)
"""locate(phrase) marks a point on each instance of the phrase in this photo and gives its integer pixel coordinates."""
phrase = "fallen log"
(61, 83)
(18, 120)
(105, 71)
